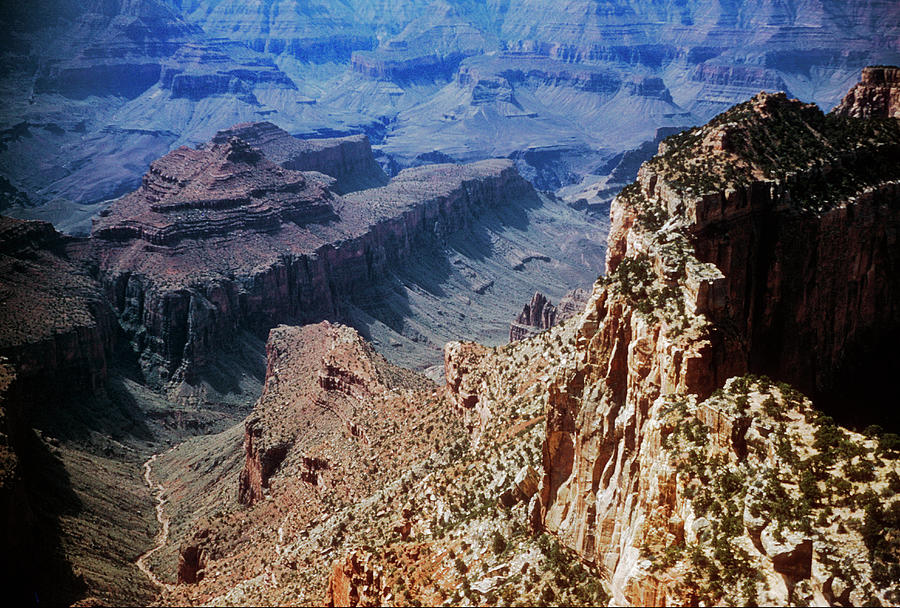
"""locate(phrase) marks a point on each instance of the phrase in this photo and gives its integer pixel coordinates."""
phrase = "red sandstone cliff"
(761, 243)
(751, 273)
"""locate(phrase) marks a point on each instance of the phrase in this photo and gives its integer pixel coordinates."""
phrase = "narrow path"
(163, 520)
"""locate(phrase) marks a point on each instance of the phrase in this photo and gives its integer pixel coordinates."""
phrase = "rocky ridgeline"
(221, 239)
(876, 96)
(348, 159)
(541, 314)
(751, 270)
(336, 424)
(325, 372)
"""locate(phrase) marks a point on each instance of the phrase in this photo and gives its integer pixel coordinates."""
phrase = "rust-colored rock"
(222, 239)
(877, 95)
(778, 274)
(191, 564)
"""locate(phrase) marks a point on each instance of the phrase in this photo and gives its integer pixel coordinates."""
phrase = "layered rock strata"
(221, 238)
(703, 249)
(347, 159)
(877, 95)
(703, 285)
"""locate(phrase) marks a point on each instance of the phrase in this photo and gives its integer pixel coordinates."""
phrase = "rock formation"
(714, 270)
(55, 322)
(876, 96)
(347, 159)
(220, 239)
(540, 314)
(634, 454)
(97, 90)
(336, 424)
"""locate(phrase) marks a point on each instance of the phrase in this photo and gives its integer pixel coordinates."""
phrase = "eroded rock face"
(765, 259)
(221, 239)
(191, 564)
(876, 96)
(702, 250)
(55, 322)
(347, 159)
(326, 373)
(356, 581)
(541, 314)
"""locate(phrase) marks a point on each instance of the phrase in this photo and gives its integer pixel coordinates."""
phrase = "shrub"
(498, 543)
(461, 566)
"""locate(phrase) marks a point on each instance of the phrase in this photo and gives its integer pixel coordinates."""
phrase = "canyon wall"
(764, 278)
(56, 323)
(347, 159)
(877, 95)
(217, 265)
(761, 243)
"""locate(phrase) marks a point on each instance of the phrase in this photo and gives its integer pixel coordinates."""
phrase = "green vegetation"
(634, 278)
(573, 583)
(785, 141)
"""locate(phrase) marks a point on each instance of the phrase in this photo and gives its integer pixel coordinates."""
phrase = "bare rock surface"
(540, 314)
(95, 92)
(876, 96)
(221, 239)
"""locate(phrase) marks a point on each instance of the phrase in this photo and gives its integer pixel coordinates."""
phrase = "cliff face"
(55, 322)
(749, 245)
(631, 455)
(221, 239)
(750, 271)
(876, 96)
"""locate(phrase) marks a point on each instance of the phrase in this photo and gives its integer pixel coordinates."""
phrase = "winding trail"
(163, 520)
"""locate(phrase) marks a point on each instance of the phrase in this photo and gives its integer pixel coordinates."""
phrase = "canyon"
(154, 327)
(95, 92)
(642, 452)
(277, 302)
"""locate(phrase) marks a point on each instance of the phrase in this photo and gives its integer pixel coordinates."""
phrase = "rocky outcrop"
(221, 239)
(191, 564)
(215, 191)
(55, 322)
(540, 314)
(198, 71)
(347, 159)
(327, 373)
(654, 427)
(679, 315)
(357, 580)
(403, 67)
(876, 96)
